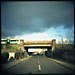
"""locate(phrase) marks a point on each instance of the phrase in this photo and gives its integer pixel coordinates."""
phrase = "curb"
(69, 66)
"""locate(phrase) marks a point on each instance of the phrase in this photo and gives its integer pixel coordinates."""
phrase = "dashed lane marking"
(39, 67)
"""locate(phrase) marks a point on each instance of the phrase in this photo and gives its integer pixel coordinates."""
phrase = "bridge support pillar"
(53, 44)
(53, 47)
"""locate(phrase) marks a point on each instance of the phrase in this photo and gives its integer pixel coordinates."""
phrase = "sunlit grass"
(11, 47)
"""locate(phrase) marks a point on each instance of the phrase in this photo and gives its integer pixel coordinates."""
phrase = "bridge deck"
(39, 45)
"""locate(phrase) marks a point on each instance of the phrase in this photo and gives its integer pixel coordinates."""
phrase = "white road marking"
(39, 65)
(39, 68)
(38, 61)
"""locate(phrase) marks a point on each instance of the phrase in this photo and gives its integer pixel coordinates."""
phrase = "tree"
(70, 35)
(5, 56)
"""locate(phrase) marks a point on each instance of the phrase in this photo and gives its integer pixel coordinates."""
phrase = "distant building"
(12, 41)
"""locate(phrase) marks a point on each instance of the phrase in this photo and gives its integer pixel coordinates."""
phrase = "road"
(38, 65)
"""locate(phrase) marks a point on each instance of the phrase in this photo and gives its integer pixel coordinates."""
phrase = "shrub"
(22, 55)
(11, 59)
(5, 56)
(17, 55)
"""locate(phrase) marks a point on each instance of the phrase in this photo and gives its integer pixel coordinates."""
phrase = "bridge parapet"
(38, 43)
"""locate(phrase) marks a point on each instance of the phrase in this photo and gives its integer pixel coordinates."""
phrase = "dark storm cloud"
(27, 17)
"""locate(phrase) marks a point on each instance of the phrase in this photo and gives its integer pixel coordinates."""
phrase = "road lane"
(50, 67)
(26, 67)
(31, 67)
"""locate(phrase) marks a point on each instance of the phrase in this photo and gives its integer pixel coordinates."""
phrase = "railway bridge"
(47, 45)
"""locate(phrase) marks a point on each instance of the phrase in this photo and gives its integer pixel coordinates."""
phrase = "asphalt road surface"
(38, 65)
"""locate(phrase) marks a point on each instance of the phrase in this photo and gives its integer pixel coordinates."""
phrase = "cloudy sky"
(37, 20)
